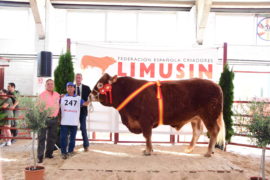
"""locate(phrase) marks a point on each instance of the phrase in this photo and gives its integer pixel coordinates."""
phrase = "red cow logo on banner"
(100, 62)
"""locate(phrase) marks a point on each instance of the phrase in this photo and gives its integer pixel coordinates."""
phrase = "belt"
(51, 117)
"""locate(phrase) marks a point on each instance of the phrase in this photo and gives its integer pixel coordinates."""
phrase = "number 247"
(71, 102)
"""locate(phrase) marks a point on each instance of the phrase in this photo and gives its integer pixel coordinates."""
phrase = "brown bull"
(195, 100)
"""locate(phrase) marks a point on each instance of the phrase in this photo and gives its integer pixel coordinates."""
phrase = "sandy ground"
(109, 161)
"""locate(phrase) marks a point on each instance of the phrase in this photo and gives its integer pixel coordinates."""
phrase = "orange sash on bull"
(136, 92)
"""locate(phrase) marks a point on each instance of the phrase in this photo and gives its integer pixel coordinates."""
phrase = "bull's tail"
(222, 133)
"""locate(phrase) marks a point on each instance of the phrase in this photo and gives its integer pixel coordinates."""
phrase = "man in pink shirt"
(51, 98)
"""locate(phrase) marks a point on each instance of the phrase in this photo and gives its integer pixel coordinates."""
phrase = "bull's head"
(103, 89)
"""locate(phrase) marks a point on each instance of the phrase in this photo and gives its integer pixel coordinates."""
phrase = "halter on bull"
(195, 100)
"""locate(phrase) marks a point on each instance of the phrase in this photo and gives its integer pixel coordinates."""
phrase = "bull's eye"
(100, 85)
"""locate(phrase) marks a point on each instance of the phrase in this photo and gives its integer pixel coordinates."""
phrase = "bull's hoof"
(146, 153)
(207, 155)
(188, 150)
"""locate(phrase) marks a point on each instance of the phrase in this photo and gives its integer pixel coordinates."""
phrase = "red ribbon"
(107, 88)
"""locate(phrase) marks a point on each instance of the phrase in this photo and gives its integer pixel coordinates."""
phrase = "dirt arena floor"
(109, 161)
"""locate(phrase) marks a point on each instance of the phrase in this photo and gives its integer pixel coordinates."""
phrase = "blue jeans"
(64, 131)
(83, 129)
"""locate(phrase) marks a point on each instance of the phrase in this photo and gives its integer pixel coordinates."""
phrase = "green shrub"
(226, 83)
(257, 126)
(63, 73)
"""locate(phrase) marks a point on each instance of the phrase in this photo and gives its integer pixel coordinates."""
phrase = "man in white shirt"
(83, 91)
(70, 113)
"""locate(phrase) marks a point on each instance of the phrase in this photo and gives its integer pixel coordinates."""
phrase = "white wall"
(21, 73)
(126, 28)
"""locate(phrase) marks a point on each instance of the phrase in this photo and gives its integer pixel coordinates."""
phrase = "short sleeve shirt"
(51, 100)
(15, 93)
(9, 102)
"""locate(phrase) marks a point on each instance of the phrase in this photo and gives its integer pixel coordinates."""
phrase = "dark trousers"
(83, 129)
(50, 134)
(64, 131)
(14, 132)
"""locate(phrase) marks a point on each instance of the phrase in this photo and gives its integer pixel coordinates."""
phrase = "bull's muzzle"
(94, 97)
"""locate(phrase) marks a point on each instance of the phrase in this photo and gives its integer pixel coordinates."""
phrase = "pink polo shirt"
(52, 101)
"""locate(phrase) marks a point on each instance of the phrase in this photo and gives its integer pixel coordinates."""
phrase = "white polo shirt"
(70, 110)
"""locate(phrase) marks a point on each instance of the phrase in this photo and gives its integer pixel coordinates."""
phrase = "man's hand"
(59, 117)
(86, 103)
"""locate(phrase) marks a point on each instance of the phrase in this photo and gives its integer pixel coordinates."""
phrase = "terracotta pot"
(37, 174)
(257, 178)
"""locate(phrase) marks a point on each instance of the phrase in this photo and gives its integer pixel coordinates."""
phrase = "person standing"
(70, 112)
(51, 99)
(13, 93)
(83, 91)
(5, 105)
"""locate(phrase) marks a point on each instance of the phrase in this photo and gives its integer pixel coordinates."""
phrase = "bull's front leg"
(147, 133)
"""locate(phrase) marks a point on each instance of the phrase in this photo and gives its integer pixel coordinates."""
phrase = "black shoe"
(50, 156)
(64, 156)
(13, 141)
(70, 154)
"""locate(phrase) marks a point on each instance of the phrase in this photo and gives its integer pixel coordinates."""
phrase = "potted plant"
(258, 128)
(35, 115)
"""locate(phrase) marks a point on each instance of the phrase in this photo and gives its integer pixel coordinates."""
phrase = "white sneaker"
(8, 143)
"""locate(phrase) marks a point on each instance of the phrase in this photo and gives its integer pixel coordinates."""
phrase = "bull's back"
(185, 99)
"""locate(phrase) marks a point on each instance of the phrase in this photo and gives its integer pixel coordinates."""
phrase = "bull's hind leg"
(147, 133)
(197, 128)
(213, 132)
